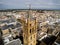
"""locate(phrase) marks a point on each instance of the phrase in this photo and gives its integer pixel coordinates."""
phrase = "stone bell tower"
(30, 31)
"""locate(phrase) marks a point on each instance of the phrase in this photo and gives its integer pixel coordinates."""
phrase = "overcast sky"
(22, 4)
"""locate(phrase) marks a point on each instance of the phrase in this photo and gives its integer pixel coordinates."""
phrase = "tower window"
(34, 41)
(34, 36)
(30, 30)
(30, 24)
(31, 38)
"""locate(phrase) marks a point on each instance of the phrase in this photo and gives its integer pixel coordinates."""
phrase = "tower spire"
(29, 10)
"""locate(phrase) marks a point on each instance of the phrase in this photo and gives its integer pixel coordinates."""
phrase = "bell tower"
(30, 30)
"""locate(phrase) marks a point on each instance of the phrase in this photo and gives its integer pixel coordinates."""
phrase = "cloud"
(51, 4)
